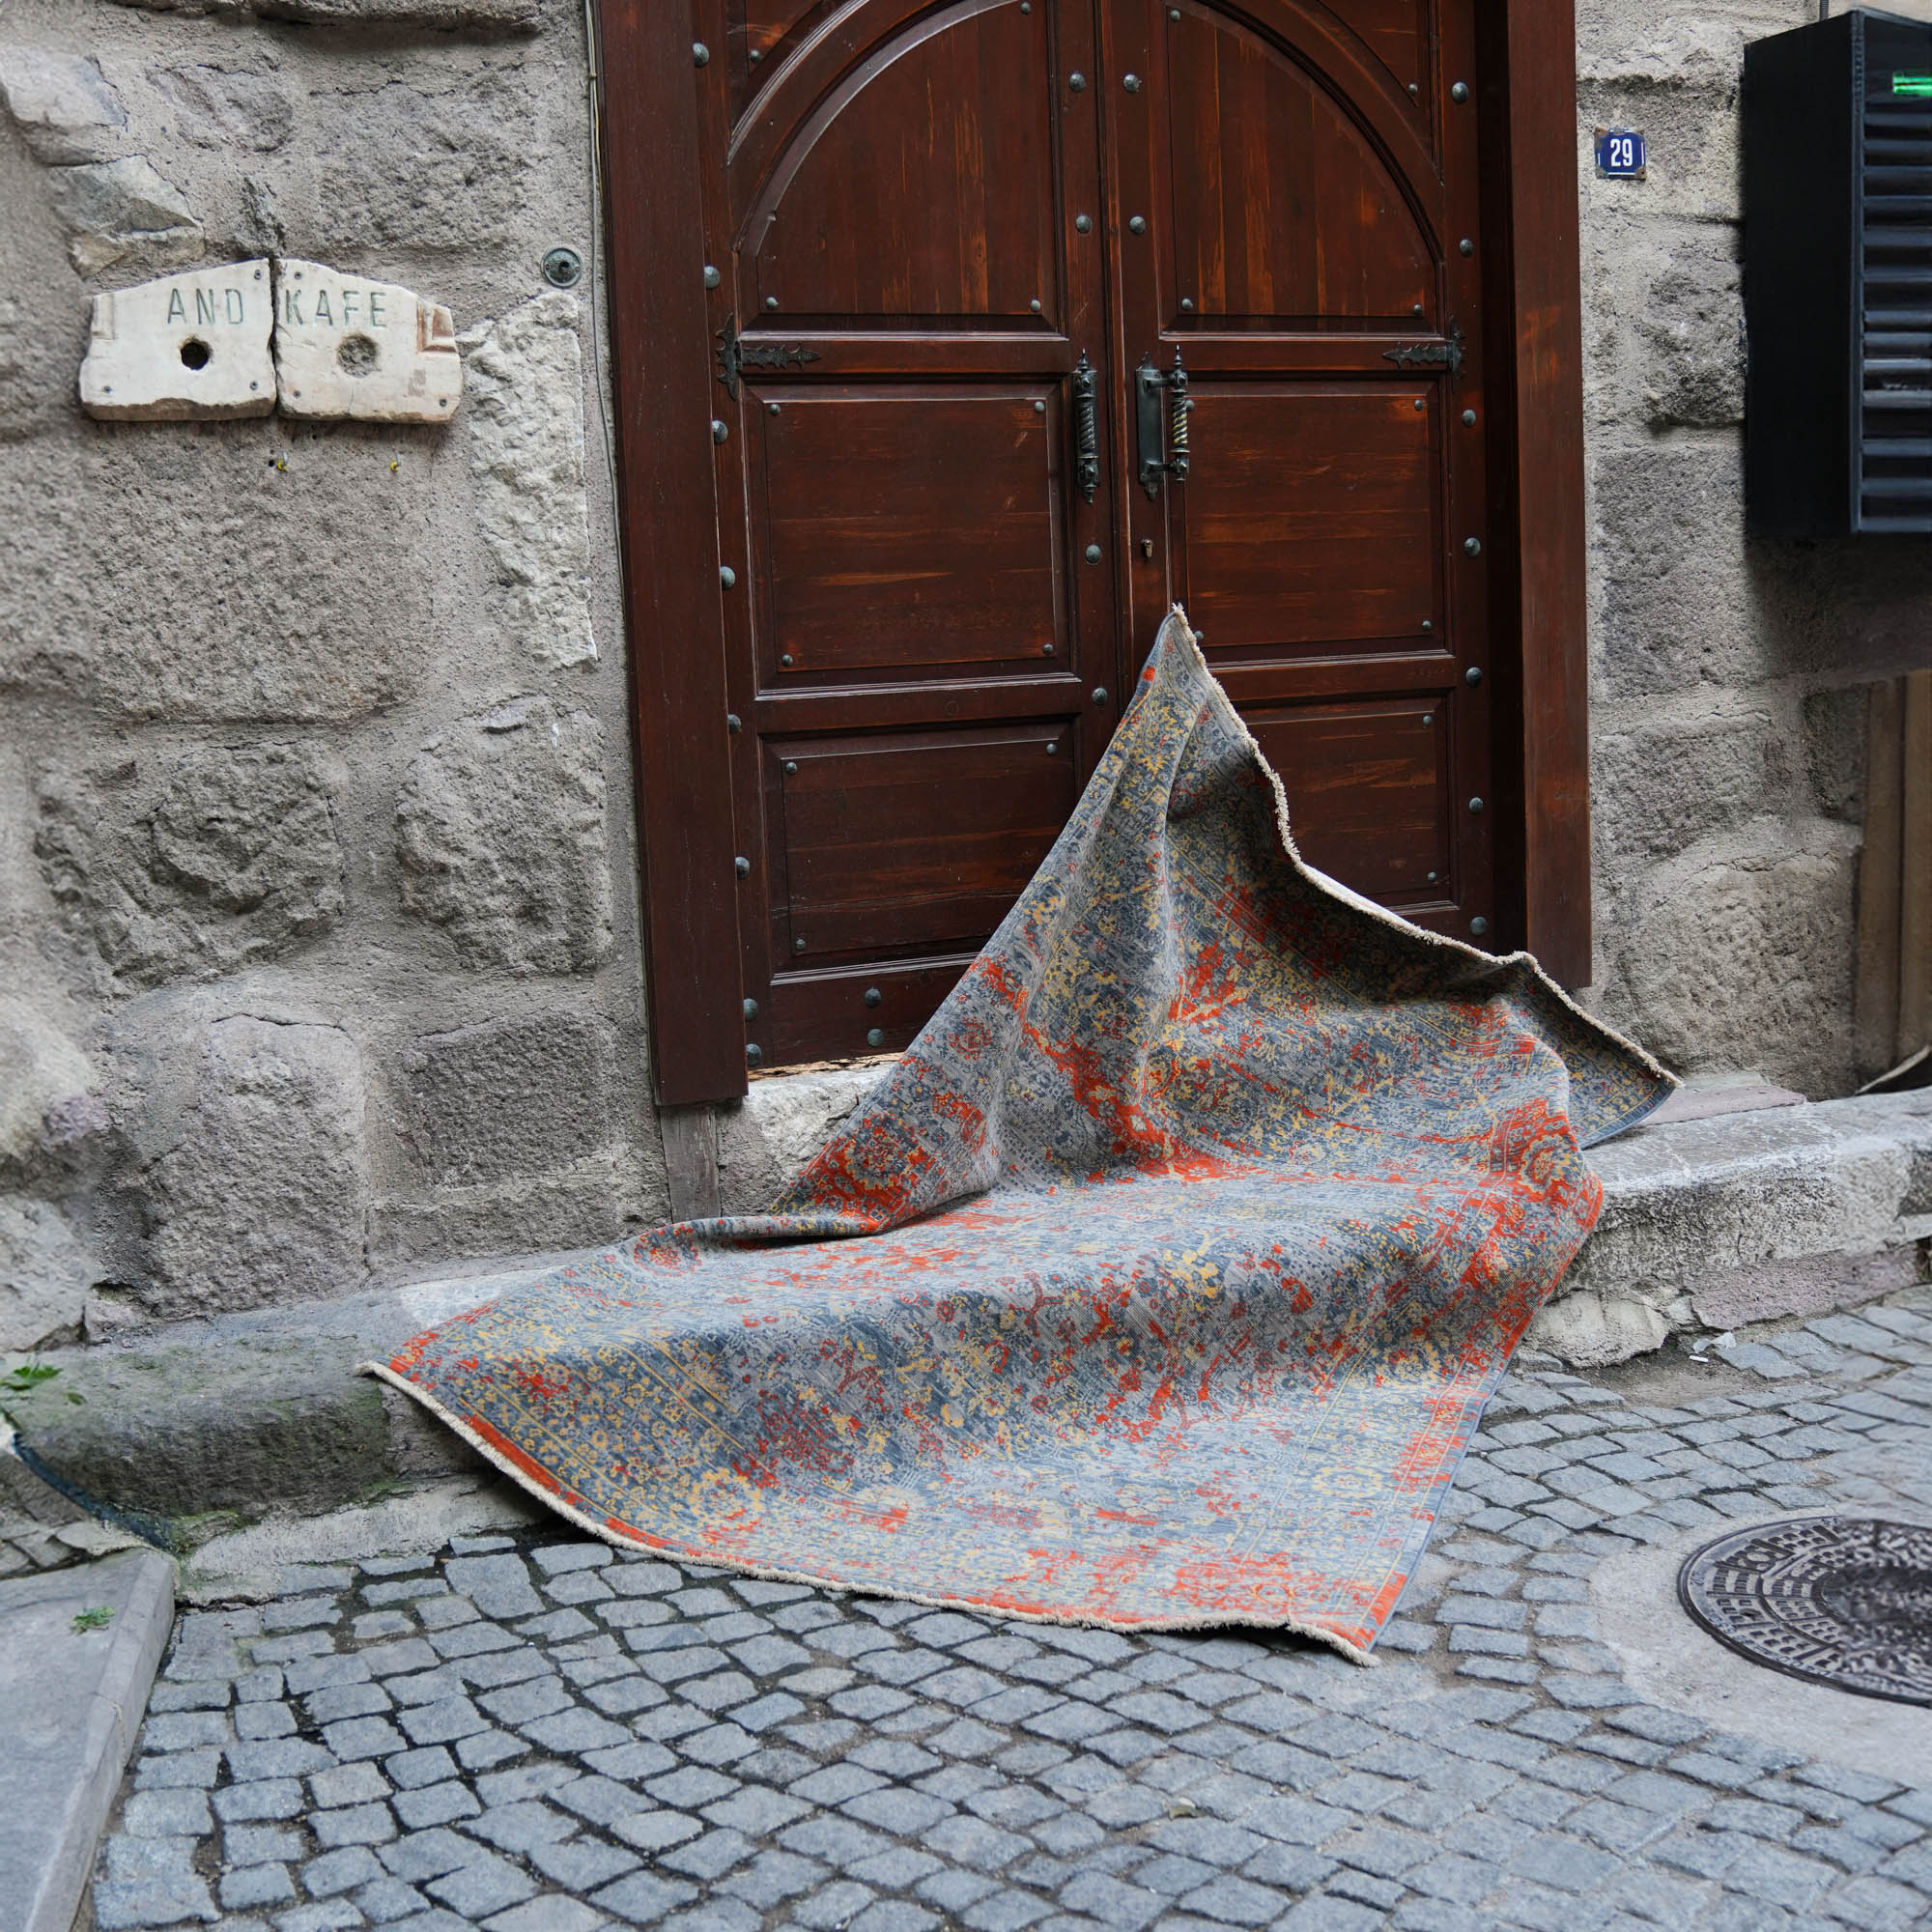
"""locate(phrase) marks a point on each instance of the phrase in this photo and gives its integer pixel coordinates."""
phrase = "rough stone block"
(501, 838)
(425, 154)
(1591, 1331)
(199, 562)
(526, 457)
(510, 1097)
(1663, 782)
(371, 352)
(588, 1203)
(223, 106)
(195, 866)
(1693, 327)
(514, 17)
(220, 1420)
(1746, 961)
(1676, 605)
(62, 105)
(48, 1109)
(1756, 1211)
(1835, 727)
(185, 347)
(766, 1139)
(1691, 121)
(263, 1190)
(1813, 1284)
(1630, 40)
(46, 1271)
(124, 212)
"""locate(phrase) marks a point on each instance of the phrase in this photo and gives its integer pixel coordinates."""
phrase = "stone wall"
(318, 920)
(1729, 673)
(319, 946)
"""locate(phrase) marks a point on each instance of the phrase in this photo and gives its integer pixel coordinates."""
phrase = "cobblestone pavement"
(539, 1734)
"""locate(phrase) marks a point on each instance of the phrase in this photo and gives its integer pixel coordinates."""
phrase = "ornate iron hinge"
(1446, 354)
(1086, 430)
(734, 356)
(1163, 432)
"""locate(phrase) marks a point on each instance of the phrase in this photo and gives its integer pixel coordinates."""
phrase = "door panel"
(1368, 790)
(758, 26)
(914, 842)
(1313, 519)
(873, 1008)
(1398, 32)
(932, 226)
(1281, 208)
(919, 659)
(1329, 533)
(907, 529)
(919, 186)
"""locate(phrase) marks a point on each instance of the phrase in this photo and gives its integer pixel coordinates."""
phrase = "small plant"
(28, 1376)
(97, 1618)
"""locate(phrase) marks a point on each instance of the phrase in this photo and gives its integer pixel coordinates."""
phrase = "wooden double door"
(1025, 318)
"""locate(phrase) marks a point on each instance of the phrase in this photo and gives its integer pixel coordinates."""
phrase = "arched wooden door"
(1022, 317)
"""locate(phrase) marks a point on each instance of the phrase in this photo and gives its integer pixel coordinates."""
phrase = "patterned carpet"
(1161, 1283)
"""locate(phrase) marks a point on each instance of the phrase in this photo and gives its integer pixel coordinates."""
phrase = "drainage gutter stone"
(70, 1704)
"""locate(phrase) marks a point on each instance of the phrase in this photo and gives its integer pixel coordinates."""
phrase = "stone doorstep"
(204, 1425)
(71, 1703)
(1712, 1223)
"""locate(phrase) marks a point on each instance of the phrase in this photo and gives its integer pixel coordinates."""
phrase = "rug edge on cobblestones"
(1201, 1221)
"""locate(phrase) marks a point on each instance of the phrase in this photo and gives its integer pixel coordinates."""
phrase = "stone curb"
(70, 1705)
(200, 1427)
(1711, 1224)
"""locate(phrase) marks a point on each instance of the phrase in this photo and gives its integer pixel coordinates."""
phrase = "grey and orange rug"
(1161, 1283)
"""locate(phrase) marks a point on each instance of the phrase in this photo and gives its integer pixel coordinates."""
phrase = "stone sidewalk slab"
(72, 1701)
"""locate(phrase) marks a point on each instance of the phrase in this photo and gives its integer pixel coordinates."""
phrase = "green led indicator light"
(1918, 85)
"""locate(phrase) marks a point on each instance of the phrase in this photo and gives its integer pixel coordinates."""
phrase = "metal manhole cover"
(1841, 1599)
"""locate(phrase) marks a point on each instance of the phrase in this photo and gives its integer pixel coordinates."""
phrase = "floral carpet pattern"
(1161, 1283)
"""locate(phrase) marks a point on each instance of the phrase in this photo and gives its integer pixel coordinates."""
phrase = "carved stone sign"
(190, 346)
(236, 340)
(370, 350)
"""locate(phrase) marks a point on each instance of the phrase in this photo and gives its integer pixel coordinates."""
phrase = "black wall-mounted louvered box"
(1837, 168)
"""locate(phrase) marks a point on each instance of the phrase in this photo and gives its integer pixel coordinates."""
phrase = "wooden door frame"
(1527, 88)
(662, 354)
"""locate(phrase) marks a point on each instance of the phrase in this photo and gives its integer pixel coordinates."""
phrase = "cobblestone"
(548, 1735)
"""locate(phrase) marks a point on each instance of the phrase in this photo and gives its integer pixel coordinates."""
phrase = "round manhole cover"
(1841, 1599)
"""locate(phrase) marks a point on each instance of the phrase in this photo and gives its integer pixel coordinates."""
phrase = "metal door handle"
(1162, 406)
(1086, 430)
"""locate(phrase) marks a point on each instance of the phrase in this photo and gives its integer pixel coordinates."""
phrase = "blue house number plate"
(1622, 152)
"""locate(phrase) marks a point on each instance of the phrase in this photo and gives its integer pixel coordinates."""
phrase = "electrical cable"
(593, 89)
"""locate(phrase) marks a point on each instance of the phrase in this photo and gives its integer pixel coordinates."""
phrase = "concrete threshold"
(195, 1430)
